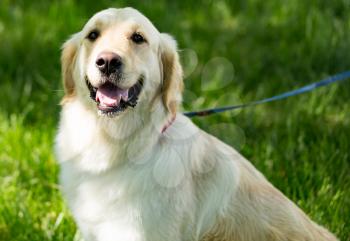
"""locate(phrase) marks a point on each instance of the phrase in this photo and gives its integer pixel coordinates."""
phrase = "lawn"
(233, 52)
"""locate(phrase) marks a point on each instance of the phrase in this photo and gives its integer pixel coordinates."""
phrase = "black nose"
(108, 62)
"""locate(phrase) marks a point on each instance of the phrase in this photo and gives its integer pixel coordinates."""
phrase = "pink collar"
(168, 124)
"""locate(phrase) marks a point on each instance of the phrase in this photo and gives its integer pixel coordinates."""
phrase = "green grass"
(301, 144)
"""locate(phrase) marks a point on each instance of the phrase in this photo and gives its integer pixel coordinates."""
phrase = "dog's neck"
(169, 123)
(135, 124)
(113, 140)
(133, 133)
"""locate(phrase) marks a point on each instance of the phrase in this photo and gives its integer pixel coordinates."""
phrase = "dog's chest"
(103, 208)
(126, 202)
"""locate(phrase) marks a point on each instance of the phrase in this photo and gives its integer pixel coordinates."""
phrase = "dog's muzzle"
(112, 100)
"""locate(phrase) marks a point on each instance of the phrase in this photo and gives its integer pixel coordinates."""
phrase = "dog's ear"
(172, 79)
(69, 51)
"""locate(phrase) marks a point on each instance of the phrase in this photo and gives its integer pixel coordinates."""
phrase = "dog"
(135, 169)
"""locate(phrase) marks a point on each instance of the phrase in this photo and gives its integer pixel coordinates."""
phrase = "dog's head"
(118, 61)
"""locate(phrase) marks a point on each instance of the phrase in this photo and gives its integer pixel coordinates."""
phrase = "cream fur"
(125, 180)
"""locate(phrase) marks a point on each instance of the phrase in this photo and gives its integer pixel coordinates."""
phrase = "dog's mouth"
(111, 99)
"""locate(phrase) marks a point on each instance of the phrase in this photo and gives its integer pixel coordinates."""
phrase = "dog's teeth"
(124, 95)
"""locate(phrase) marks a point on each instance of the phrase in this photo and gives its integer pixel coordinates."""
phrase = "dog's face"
(120, 60)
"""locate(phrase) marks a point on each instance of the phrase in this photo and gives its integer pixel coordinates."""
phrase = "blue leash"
(307, 88)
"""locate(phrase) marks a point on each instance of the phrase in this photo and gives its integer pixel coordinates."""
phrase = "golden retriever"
(133, 169)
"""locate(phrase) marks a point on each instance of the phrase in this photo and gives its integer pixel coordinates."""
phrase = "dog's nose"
(108, 62)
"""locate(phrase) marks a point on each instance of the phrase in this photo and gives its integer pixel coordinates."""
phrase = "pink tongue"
(110, 95)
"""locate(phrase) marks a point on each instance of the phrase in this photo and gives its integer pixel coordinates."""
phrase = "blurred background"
(233, 52)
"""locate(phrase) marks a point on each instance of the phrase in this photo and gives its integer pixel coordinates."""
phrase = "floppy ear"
(172, 84)
(69, 51)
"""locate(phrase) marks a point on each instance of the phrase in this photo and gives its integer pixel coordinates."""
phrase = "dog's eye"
(137, 38)
(93, 35)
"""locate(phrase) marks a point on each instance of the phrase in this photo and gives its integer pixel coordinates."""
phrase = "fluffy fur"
(124, 179)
